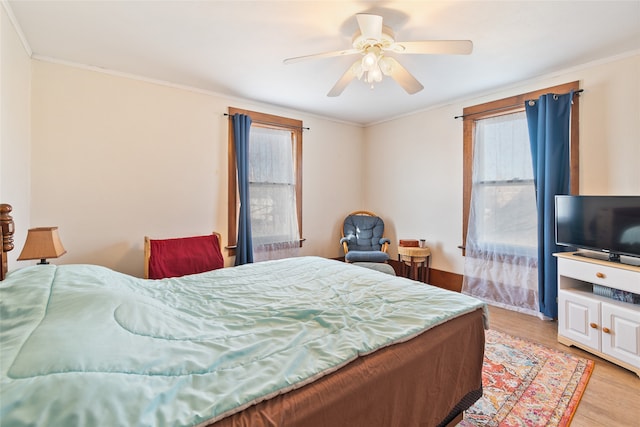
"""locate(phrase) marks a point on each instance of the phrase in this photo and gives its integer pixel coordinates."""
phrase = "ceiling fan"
(373, 41)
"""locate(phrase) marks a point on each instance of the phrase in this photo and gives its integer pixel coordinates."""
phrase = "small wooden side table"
(414, 258)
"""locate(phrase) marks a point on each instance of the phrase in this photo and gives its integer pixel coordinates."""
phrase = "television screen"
(608, 224)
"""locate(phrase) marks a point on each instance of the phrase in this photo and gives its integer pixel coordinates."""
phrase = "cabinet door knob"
(606, 330)
(600, 275)
(593, 325)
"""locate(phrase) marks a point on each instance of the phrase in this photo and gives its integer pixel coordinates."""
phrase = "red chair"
(181, 256)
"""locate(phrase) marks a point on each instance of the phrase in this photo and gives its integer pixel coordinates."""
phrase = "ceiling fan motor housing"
(386, 40)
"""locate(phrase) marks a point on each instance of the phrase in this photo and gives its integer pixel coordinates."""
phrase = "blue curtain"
(241, 129)
(549, 130)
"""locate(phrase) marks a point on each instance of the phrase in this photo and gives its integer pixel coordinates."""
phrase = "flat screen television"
(608, 224)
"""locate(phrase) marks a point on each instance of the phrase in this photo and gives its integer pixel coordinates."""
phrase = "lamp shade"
(42, 243)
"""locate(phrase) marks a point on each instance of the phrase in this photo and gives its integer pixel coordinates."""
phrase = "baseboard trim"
(439, 278)
(446, 280)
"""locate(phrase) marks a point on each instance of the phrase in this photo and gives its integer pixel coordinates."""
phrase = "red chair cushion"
(186, 255)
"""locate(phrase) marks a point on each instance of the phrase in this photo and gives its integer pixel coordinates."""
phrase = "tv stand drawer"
(599, 272)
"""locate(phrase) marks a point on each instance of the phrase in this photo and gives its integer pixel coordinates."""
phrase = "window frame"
(472, 114)
(267, 121)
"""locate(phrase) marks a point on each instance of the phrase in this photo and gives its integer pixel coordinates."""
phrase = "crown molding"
(17, 27)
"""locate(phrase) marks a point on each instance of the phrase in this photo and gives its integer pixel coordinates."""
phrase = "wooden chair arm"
(147, 255)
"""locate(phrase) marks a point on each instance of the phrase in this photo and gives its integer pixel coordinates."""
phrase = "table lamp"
(42, 243)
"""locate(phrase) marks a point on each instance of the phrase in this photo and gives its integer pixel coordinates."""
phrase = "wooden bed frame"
(7, 228)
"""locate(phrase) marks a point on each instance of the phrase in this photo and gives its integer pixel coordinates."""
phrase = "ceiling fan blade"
(344, 81)
(404, 78)
(370, 26)
(321, 55)
(437, 47)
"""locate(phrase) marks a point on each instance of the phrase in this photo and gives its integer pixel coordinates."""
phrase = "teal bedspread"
(85, 345)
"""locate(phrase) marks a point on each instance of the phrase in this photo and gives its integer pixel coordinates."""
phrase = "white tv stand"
(603, 326)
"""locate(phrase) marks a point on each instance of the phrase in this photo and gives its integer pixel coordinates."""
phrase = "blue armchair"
(362, 238)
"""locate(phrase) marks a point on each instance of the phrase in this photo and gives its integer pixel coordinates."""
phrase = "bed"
(296, 342)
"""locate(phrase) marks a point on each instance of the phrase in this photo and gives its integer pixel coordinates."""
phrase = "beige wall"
(117, 158)
(15, 128)
(420, 192)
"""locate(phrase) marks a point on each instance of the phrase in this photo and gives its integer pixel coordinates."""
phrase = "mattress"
(85, 345)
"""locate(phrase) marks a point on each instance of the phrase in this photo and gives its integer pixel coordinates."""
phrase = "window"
(502, 185)
(503, 177)
(275, 183)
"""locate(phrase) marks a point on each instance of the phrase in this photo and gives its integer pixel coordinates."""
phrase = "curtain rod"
(272, 124)
(505, 107)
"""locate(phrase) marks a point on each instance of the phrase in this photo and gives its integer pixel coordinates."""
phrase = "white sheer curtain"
(501, 247)
(272, 190)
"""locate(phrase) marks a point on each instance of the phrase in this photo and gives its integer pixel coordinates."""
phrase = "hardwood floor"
(612, 396)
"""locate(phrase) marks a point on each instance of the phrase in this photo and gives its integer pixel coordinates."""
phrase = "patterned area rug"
(527, 384)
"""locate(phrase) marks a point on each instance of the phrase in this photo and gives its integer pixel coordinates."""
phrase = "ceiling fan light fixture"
(370, 65)
(369, 61)
(374, 75)
(371, 57)
(386, 65)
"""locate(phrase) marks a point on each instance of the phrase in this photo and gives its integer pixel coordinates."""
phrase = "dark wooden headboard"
(7, 229)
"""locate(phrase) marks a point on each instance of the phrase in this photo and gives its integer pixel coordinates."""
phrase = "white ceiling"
(236, 48)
